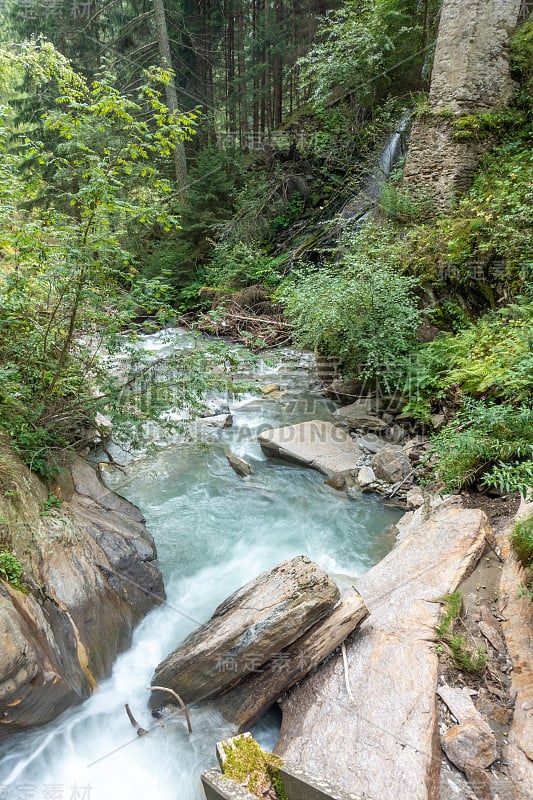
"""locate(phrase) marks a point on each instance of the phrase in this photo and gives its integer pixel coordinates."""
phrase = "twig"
(346, 675)
(401, 484)
(140, 731)
(178, 698)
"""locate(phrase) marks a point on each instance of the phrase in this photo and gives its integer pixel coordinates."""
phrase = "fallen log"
(247, 630)
(244, 703)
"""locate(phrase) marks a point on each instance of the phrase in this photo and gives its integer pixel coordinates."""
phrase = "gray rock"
(343, 391)
(391, 465)
(362, 415)
(92, 573)
(321, 445)
(371, 443)
(470, 75)
(247, 630)
(384, 743)
(239, 465)
(414, 497)
(365, 476)
(395, 434)
(470, 745)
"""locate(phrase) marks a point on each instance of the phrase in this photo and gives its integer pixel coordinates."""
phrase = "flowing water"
(214, 532)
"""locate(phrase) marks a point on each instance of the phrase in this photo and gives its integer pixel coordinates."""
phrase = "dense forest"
(197, 161)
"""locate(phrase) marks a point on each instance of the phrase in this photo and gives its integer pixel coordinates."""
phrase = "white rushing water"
(214, 532)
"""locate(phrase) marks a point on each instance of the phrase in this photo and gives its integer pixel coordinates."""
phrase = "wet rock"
(92, 573)
(239, 465)
(218, 421)
(212, 409)
(269, 388)
(391, 465)
(247, 630)
(386, 738)
(337, 481)
(317, 444)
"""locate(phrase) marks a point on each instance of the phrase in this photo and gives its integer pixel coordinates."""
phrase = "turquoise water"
(214, 532)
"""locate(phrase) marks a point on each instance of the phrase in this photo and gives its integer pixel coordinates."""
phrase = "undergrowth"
(466, 656)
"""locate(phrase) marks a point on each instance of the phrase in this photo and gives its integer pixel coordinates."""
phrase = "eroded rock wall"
(470, 75)
(92, 573)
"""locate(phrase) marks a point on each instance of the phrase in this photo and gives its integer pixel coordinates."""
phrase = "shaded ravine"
(214, 532)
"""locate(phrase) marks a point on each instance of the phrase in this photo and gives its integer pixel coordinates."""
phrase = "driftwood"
(178, 698)
(245, 702)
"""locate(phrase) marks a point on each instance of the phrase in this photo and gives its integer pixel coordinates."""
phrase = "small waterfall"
(360, 207)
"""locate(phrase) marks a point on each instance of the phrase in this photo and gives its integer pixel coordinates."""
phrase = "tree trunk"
(180, 162)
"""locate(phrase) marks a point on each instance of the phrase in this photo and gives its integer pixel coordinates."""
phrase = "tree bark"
(250, 698)
(180, 161)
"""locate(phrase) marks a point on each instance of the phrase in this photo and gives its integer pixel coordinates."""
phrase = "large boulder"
(92, 573)
(517, 625)
(321, 445)
(248, 629)
(369, 723)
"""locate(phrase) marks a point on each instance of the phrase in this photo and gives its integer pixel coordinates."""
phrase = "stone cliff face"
(470, 75)
(92, 574)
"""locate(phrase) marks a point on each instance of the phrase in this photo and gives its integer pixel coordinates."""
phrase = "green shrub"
(361, 311)
(522, 542)
(235, 266)
(10, 569)
(492, 357)
(482, 437)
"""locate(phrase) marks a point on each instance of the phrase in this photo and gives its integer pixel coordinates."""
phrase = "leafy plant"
(361, 311)
(69, 287)
(481, 437)
(10, 569)
(522, 542)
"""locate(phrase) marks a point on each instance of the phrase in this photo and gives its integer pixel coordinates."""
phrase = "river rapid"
(214, 532)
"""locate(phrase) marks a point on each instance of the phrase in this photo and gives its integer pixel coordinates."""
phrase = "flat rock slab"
(248, 629)
(317, 444)
(384, 742)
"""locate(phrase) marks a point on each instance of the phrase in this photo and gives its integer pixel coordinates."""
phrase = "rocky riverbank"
(90, 573)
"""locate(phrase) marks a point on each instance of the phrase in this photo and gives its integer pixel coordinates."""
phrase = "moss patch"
(247, 764)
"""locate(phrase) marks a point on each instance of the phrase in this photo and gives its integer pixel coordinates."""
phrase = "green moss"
(247, 764)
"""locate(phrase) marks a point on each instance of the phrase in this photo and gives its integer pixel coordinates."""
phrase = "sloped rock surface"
(384, 742)
(92, 573)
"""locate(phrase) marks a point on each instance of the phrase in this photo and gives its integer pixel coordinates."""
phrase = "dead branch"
(178, 698)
